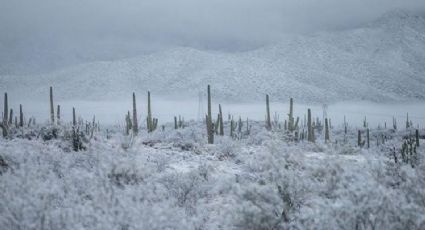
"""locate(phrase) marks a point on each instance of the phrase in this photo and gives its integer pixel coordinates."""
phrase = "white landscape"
(359, 163)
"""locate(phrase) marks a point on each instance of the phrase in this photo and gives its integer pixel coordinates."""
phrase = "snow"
(173, 179)
(232, 184)
(381, 62)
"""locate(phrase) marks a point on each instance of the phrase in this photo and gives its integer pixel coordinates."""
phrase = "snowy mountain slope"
(382, 61)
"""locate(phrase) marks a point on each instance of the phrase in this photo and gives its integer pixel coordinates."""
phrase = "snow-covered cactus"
(327, 139)
(21, 116)
(394, 123)
(221, 121)
(368, 138)
(291, 120)
(268, 121)
(135, 125)
(74, 118)
(310, 130)
(52, 109)
(210, 126)
(58, 114)
(4, 126)
(232, 128)
(10, 122)
(128, 123)
(407, 121)
(417, 137)
(150, 121)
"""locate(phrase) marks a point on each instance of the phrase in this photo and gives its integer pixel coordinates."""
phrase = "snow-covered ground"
(172, 179)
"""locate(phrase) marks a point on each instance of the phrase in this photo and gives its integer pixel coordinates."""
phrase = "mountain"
(383, 61)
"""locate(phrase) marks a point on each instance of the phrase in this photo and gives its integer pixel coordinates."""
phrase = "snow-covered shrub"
(225, 148)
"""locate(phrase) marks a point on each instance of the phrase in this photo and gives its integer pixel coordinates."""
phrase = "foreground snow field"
(172, 179)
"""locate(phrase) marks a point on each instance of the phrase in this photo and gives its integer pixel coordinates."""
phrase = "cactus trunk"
(210, 127)
(326, 130)
(368, 138)
(4, 125)
(221, 121)
(52, 110)
(310, 130)
(58, 114)
(149, 119)
(21, 116)
(135, 125)
(417, 137)
(359, 138)
(74, 119)
(268, 121)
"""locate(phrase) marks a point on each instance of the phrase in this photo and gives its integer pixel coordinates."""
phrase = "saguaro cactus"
(10, 118)
(21, 116)
(210, 127)
(52, 109)
(394, 123)
(368, 138)
(74, 118)
(407, 121)
(4, 126)
(291, 120)
(268, 121)
(310, 130)
(128, 124)
(135, 125)
(359, 138)
(150, 123)
(326, 130)
(232, 128)
(221, 121)
(58, 114)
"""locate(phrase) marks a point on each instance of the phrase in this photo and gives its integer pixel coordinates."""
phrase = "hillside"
(382, 61)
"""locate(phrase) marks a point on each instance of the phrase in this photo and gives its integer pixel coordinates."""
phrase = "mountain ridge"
(384, 61)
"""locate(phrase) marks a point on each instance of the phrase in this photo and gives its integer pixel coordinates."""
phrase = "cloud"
(97, 29)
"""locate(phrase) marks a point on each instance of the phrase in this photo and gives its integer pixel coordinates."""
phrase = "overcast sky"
(57, 32)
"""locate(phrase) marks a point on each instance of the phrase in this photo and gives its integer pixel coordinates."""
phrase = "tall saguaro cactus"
(6, 109)
(359, 138)
(52, 109)
(74, 118)
(21, 116)
(291, 120)
(327, 139)
(407, 121)
(417, 137)
(367, 138)
(58, 114)
(221, 121)
(4, 126)
(135, 125)
(310, 130)
(10, 117)
(149, 118)
(268, 121)
(210, 127)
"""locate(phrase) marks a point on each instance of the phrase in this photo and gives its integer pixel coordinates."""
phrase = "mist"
(39, 36)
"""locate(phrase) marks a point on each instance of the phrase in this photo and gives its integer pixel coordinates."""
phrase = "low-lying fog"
(113, 112)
